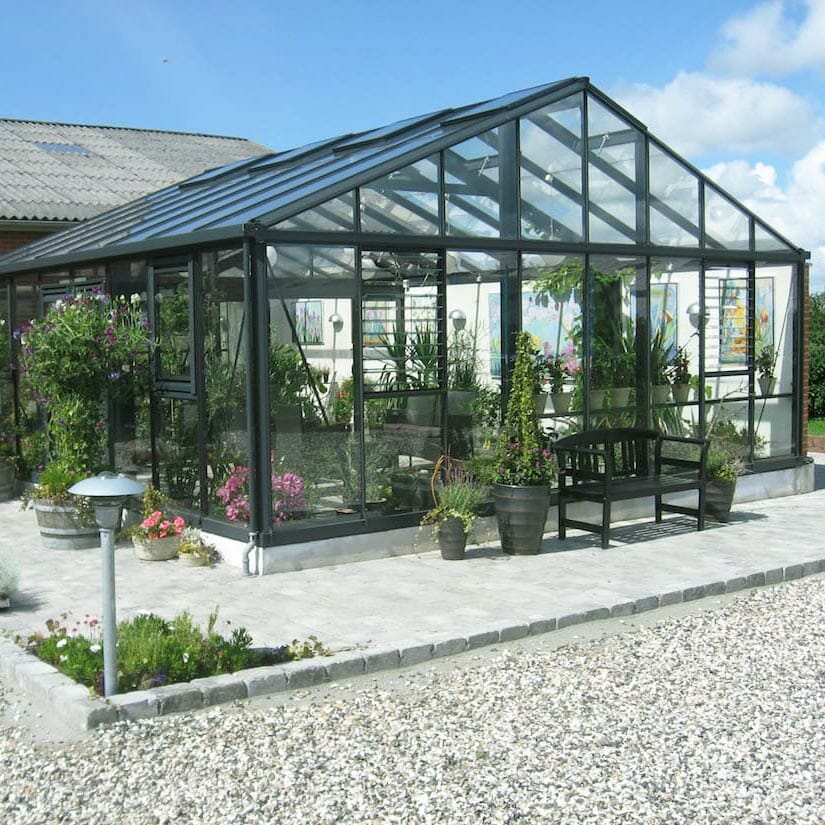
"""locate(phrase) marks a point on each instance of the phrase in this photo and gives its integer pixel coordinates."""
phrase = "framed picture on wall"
(308, 322)
(733, 318)
(664, 306)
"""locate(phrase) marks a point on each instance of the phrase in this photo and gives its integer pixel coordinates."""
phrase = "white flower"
(134, 299)
(58, 303)
(63, 659)
(185, 657)
(94, 648)
(62, 643)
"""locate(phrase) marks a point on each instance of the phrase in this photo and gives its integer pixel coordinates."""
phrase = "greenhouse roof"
(259, 193)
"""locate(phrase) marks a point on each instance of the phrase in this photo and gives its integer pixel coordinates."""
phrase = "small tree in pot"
(524, 467)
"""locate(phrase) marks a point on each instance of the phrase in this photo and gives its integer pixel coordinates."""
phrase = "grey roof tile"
(85, 170)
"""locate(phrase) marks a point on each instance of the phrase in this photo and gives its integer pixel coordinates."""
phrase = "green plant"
(658, 358)
(458, 497)
(551, 370)
(723, 466)
(601, 369)
(9, 576)
(153, 651)
(53, 486)
(85, 348)
(678, 368)
(766, 362)
(342, 403)
(192, 544)
(462, 363)
(423, 355)
(522, 457)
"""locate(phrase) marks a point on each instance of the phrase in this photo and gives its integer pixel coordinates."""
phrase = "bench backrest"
(621, 453)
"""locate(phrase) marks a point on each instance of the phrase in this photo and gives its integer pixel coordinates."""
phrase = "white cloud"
(698, 114)
(769, 39)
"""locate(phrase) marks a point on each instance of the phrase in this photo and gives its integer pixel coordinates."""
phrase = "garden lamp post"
(108, 493)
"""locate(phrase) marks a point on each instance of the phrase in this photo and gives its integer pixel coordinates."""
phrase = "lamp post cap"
(107, 485)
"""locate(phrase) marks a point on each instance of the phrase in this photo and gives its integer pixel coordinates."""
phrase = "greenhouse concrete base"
(364, 547)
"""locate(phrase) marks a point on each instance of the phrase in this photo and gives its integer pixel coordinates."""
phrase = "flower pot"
(190, 559)
(156, 549)
(596, 399)
(681, 393)
(620, 396)
(521, 513)
(61, 527)
(540, 402)
(719, 498)
(452, 539)
(660, 393)
(767, 385)
(7, 480)
(561, 401)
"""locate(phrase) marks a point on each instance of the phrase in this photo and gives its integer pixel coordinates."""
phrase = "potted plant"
(194, 551)
(289, 500)
(156, 537)
(65, 522)
(9, 576)
(766, 367)
(462, 374)
(85, 349)
(601, 376)
(524, 467)
(678, 371)
(557, 372)
(456, 503)
(659, 382)
(723, 469)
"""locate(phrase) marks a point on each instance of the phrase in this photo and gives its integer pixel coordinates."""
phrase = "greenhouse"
(329, 321)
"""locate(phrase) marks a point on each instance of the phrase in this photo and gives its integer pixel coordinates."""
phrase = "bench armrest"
(699, 464)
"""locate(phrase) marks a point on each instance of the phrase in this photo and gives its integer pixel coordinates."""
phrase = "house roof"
(259, 193)
(72, 172)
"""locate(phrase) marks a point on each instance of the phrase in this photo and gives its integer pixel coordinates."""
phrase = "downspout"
(248, 548)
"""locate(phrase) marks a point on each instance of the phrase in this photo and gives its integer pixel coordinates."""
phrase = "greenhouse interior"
(329, 321)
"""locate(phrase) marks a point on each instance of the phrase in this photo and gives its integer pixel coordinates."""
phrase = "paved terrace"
(421, 599)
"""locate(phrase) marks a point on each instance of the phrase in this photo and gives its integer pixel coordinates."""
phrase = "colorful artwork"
(308, 322)
(550, 326)
(733, 318)
(375, 323)
(664, 305)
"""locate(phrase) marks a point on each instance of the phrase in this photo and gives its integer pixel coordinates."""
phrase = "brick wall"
(15, 238)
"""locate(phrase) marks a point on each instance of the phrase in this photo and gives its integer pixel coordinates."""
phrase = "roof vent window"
(63, 148)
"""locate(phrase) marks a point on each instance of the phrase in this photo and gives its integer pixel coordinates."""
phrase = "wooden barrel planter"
(452, 539)
(61, 527)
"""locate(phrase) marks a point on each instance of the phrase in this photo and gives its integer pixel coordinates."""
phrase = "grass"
(816, 426)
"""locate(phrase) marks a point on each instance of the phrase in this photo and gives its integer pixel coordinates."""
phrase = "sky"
(736, 87)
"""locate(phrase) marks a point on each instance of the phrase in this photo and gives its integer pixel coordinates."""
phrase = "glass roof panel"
(551, 172)
(674, 201)
(767, 241)
(405, 201)
(471, 186)
(336, 215)
(726, 225)
(615, 179)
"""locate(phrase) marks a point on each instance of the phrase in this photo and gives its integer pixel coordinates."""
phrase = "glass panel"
(129, 423)
(8, 443)
(172, 323)
(333, 216)
(674, 201)
(403, 347)
(615, 179)
(767, 241)
(726, 426)
(726, 333)
(616, 361)
(316, 472)
(774, 427)
(551, 172)
(726, 226)
(472, 193)
(223, 327)
(177, 448)
(32, 436)
(674, 353)
(405, 201)
(551, 311)
(474, 356)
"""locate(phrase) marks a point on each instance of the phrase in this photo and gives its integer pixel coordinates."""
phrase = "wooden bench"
(610, 465)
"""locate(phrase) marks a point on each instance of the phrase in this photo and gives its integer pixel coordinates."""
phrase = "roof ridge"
(120, 128)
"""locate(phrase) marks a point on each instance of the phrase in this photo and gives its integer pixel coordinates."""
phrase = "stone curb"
(78, 707)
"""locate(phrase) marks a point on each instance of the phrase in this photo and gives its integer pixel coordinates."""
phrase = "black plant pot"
(719, 498)
(521, 513)
(452, 539)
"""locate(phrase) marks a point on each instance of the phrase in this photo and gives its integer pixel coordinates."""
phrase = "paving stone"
(689, 594)
(343, 666)
(261, 681)
(774, 576)
(793, 571)
(736, 584)
(225, 687)
(449, 647)
(571, 619)
(645, 604)
(412, 654)
(137, 704)
(305, 673)
(674, 597)
(381, 660)
(542, 626)
(755, 580)
(485, 639)
(513, 632)
(623, 609)
(178, 698)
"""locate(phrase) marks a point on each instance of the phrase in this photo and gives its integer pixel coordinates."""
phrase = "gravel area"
(715, 716)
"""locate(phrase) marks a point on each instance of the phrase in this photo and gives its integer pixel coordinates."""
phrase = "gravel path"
(716, 716)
